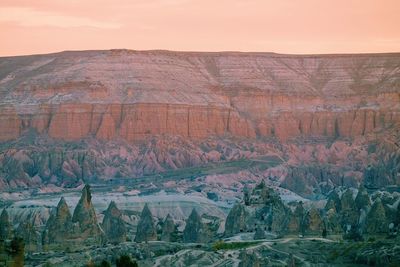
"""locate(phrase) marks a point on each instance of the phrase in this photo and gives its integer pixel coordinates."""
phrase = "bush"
(126, 261)
(105, 263)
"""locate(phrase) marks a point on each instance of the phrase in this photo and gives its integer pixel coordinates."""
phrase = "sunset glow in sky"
(283, 26)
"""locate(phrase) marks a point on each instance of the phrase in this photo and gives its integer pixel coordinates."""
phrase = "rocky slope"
(70, 116)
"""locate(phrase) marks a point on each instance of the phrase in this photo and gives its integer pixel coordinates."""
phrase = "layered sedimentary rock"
(64, 116)
(132, 94)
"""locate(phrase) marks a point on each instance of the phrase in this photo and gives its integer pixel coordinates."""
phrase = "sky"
(281, 26)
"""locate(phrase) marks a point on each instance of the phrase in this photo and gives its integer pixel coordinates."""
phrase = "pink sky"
(283, 26)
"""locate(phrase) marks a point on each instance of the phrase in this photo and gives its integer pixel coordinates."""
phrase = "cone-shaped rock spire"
(146, 230)
(236, 220)
(59, 225)
(85, 215)
(169, 231)
(194, 230)
(113, 225)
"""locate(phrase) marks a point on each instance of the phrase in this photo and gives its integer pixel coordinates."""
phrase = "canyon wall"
(134, 122)
(70, 117)
(134, 95)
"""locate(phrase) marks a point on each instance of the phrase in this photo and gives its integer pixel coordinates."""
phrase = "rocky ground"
(278, 252)
(264, 228)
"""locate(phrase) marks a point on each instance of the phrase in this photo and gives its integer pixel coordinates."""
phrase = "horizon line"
(202, 52)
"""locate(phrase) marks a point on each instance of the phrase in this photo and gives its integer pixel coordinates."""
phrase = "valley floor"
(288, 251)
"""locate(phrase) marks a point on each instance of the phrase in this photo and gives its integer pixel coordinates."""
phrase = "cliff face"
(74, 116)
(134, 95)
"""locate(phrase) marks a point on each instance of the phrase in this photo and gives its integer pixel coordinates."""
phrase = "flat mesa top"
(203, 78)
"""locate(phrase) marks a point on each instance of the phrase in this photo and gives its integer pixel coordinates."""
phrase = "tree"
(324, 233)
(105, 263)
(17, 249)
(126, 261)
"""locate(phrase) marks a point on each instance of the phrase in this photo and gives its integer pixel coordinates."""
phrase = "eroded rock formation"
(113, 225)
(65, 231)
(195, 231)
(146, 229)
(59, 226)
(6, 229)
(376, 221)
(85, 216)
(236, 221)
(67, 124)
(169, 230)
(212, 93)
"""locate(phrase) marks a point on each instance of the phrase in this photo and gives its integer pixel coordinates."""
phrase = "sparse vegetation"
(221, 245)
(126, 261)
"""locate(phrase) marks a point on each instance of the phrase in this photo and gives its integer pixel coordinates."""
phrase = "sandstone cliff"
(75, 117)
(133, 94)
